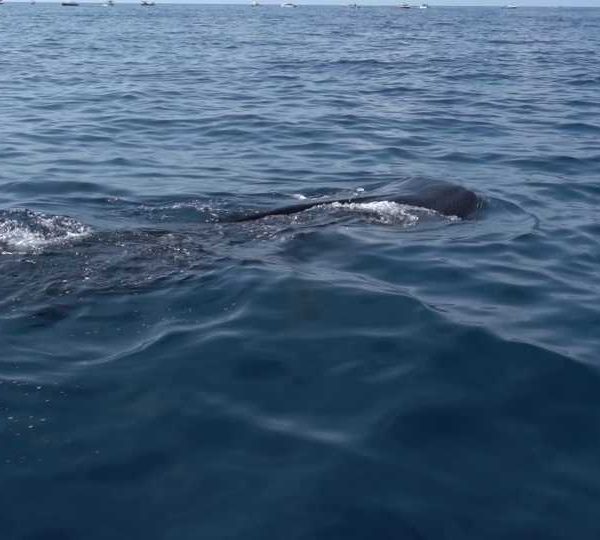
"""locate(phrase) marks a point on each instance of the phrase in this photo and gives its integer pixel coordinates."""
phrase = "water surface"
(357, 372)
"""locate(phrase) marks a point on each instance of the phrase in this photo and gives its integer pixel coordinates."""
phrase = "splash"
(24, 231)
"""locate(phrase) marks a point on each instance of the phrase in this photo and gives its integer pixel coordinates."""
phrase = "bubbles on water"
(23, 230)
(387, 212)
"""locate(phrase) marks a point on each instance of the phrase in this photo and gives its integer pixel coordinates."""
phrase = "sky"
(550, 3)
(432, 3)
(545, 3)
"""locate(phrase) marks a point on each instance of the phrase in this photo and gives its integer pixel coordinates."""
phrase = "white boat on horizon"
(404, 6)
(424, 6)
(510, 6)
(288, 5)
(147, 3)
(255, 3)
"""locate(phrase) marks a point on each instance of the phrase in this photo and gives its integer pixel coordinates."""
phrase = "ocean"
(360, 371)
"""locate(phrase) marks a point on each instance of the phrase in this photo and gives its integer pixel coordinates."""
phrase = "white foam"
(387, 211)
(26, 231)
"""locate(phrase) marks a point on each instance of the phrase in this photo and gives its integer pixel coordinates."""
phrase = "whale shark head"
(449, 200)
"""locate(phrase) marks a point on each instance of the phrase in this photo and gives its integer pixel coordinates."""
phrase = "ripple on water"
(346, 372)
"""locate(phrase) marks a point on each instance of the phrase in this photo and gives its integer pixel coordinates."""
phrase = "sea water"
(355, 371)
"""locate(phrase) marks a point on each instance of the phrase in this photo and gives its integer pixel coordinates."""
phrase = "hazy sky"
(545, 3)
(551, 3)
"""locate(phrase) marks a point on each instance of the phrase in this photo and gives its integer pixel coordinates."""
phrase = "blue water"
(346, 373)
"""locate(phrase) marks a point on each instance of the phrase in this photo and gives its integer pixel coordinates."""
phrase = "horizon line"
(342, 3)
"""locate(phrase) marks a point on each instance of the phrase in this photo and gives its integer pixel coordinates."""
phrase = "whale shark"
(443, 198)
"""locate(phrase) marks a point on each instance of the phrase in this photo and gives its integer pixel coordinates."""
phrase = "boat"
(109, 3)
(404, 6)
(353, 5)
(69, 3)
(255, 3)
(147, 2)
(424, 6)
(288, 5)
(510, 6)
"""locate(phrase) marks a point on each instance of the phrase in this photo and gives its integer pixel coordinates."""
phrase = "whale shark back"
(446, 199)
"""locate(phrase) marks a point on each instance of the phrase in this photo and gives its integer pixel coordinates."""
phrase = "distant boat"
(510, 6)
(109, 3)
(424, 6)
(255, 3)
(289, 5)
(147, 2)
(69, 3)
(1, 2)
(353, 5)
(404, 6)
